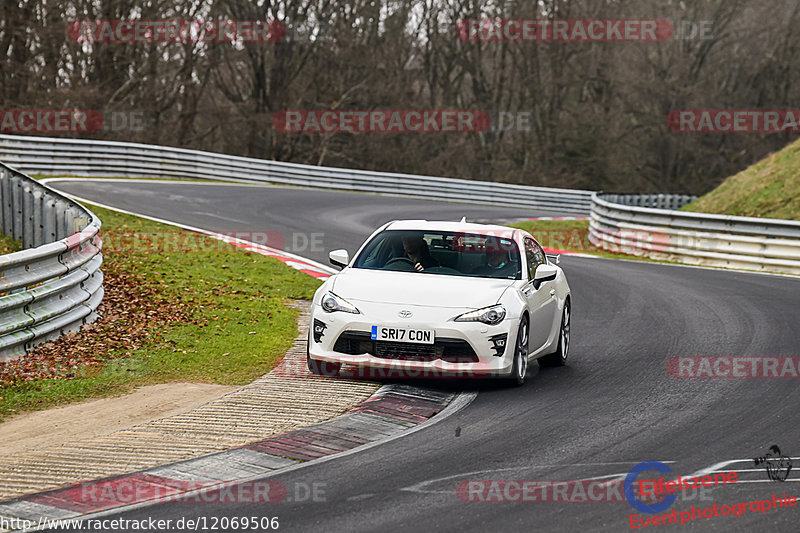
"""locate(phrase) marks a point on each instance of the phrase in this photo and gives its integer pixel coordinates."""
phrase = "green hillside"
(768, 189)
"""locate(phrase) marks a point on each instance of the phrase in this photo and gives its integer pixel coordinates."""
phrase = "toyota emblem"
(405, 313)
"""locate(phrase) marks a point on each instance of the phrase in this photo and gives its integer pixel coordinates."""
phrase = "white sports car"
(441, 299)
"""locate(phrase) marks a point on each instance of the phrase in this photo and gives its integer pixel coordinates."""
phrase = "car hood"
(416, 288)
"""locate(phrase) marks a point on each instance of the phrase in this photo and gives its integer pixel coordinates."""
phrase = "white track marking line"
(156, 180)
(221, 217)
(717, 467)
(299, 261)
(419, 487)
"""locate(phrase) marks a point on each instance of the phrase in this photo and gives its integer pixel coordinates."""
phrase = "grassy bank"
(769, 189)
(179, 307)
(568, 235)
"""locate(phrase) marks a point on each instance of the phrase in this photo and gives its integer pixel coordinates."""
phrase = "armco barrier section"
(694, 238)
(643, 224)
(54, 284)
(81, 157)
(657, 201)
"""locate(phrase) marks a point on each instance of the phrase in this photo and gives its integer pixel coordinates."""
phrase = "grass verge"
(570, 236)
(769, 189)
(179, 307)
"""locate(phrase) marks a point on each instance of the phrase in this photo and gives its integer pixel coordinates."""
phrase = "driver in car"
(416, 250)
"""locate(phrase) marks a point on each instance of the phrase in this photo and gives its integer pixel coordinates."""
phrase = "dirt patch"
(62, 425)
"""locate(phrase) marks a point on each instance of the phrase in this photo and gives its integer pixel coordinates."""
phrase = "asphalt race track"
(611, 408)
(296, 218)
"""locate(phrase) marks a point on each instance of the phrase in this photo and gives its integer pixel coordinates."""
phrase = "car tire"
(520, 367)
(323, 368)
(559, 357)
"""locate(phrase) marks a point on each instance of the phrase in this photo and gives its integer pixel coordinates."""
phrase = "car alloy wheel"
(520, 368)
(559, 357)
(565, 333)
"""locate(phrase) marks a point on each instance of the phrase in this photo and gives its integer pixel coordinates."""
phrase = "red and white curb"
(555, 251)
(229, 476)
(551, 218)
(530, 219)
(306, 266)
(303, 264)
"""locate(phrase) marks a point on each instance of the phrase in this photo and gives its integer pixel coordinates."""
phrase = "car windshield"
(442, 252)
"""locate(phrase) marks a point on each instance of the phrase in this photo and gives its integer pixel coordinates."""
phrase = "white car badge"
(405, 313)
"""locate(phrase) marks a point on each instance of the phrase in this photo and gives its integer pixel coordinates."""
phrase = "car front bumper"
(490, 348)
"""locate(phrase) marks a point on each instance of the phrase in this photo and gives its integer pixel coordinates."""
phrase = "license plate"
(421, 336)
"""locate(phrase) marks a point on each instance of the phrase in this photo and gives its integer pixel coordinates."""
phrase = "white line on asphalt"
(361, 497)
(221, 217)
(419, 487)
(156, 180)
(210, 233)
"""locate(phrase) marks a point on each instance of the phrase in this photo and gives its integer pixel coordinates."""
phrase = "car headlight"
(332, 303)
(488, 315)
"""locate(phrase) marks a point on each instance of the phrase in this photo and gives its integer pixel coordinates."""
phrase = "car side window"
(534, 256)
(539, 253)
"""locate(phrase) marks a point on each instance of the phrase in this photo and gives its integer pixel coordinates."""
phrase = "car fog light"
(319, 328)
(499, 343)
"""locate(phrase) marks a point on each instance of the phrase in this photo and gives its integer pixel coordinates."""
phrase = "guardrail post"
(6, 207)
(27, 217)
(62, 231)
(38, 218)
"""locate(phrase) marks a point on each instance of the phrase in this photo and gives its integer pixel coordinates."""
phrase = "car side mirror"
(544, 273)
(339, 258)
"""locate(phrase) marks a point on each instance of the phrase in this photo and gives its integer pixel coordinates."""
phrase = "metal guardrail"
(657, 201)
(54, 285)
(81, 157)
(694, 238)
(638, 224)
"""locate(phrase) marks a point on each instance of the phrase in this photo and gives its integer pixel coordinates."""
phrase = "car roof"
(444, 225)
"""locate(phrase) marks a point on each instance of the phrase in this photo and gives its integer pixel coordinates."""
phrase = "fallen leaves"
(133, 311)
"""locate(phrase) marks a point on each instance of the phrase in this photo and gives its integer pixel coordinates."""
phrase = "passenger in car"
(498, 262)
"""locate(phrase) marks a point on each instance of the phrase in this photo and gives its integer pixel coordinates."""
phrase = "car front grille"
(407, 351)
(450, 350)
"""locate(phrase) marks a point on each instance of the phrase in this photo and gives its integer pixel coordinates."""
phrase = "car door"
(542, 304)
